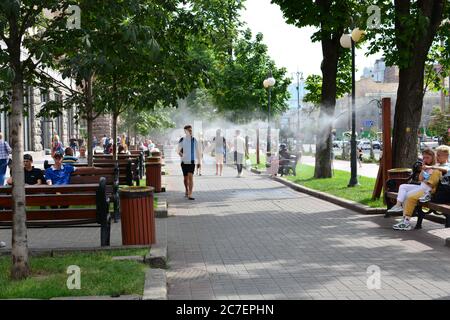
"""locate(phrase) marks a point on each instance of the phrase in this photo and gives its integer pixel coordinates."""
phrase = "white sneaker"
(396, 208)
(404, 225)
(2, 244)
(425, 198)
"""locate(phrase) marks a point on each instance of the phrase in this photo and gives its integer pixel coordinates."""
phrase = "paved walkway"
(253, 238)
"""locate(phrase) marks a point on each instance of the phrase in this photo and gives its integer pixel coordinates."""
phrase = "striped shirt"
(5, 149)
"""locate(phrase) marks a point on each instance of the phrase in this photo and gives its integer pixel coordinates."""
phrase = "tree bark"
(408, 108)
(330, 49)
(114, 134)
(20, 267)
(89, 120)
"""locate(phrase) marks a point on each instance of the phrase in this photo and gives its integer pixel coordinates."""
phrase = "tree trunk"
(20, 267)
(408, 112)
(114, 134)
(408, 108)
(330, 49)
(90, 121)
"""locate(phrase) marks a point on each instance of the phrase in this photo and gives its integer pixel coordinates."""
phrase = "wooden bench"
(424, 210)
(88, 175)
(93, 196)
(137, 158)
(128, 169)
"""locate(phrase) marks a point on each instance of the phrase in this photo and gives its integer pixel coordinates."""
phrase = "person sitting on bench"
(59, 174)
(442, 155)
(69, 156)
(32, 175)
(431, 181)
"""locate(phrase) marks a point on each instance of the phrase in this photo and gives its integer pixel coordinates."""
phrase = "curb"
(348, 204)
(126, 297)
(155, 287)
(161, 211)
(157, 255)
(52, 252)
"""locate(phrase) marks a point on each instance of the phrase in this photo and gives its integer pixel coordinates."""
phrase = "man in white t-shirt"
(239, 152)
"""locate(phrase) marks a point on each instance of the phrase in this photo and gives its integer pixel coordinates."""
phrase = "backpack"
(442, 194)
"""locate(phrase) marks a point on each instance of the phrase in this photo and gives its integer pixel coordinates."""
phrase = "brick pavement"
(253, 238)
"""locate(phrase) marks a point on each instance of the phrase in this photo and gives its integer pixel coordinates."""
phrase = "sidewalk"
(253, 238)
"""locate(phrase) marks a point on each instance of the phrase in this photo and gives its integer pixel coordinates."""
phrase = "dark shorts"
(187, 168)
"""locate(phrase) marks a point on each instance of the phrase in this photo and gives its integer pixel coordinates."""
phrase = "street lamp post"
(268, 84)
(349, 41)
(299, 78)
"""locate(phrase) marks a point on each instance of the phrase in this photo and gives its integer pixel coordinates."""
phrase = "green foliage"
(440, 124)
(313, 84)
(238, 91)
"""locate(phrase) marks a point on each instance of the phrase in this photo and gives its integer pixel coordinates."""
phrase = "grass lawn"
(262, 160)
(99, 275)
(337, 185)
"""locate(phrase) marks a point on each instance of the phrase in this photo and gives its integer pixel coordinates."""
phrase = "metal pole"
(354, 175)
(268, 130)
(298, 112)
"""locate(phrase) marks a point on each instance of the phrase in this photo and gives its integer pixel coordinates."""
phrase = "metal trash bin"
(399, 176)
(137, 215)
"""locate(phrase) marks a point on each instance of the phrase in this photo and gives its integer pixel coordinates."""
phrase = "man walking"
(239, 152)
(189, 151)
(5, 151)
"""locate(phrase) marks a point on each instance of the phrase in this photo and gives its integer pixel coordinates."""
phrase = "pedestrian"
(57, 145)
(200, 161)
(360, 156)
(239, 152)
(5, 151)
(82, 158)
(220, 147)
(69, 156)
(103, 141)
(189, 152)
(94, 142)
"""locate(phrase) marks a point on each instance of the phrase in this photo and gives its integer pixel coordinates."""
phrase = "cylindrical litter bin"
(399, 176)
(137, 215)
(153, 173)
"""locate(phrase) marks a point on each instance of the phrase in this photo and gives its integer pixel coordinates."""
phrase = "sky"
(288, 45)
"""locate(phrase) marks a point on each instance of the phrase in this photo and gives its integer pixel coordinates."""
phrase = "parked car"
(376, 145)
(364, 145)
(428, 145)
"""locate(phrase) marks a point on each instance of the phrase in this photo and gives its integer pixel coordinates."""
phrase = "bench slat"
(54, 214)
(81, 199)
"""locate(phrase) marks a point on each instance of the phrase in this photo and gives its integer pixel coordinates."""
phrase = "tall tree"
(238, 88)
(407, 31)
(23, 51)
(332, 18)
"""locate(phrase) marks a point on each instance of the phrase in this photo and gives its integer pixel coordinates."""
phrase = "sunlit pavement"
(252, 238)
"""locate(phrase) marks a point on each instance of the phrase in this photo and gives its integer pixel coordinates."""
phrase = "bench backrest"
(92, 195)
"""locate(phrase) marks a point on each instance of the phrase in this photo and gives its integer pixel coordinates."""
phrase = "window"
(45, 96)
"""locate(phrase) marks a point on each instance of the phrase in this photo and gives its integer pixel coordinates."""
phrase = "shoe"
(403, 225)
(396, 208)
(425, 198)
(2, 244)
(191, 198)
